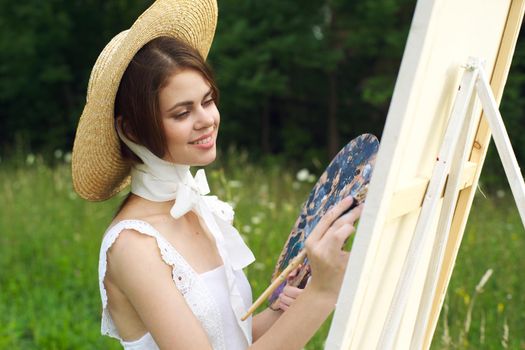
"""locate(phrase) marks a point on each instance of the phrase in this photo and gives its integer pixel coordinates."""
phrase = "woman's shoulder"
(131, 239)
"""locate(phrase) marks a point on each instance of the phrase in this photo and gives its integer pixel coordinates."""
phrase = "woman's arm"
(135, 266)
(265, 319)
(299, 323)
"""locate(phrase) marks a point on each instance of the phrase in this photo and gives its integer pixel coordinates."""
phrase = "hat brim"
(98, 170)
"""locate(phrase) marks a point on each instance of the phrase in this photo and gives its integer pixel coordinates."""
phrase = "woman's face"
(190, 119)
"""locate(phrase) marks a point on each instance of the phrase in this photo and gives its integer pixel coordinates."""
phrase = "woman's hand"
(288, 296)
(324, 247)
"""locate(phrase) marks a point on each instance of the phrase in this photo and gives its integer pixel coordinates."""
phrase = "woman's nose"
(205, 117)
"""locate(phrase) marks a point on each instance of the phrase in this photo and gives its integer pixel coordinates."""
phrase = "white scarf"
(158, 180)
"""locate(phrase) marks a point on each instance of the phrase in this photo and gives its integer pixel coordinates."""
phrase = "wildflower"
(256, 220)
(288, 207)
(247, 228)
(67, 157)
(500, 193)
(302, 175)
(30, 160)
(234, 183)
(58, 153)
(317, 32)
(258, 265)
(501, 308)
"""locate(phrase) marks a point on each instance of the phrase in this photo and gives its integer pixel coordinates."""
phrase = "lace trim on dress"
(195, 292)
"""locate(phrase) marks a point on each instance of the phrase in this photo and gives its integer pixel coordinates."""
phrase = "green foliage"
(286, 72)
(46, 51)
(49, 243)
(274, 62)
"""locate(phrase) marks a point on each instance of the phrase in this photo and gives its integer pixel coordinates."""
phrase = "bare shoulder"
(131, 243)
(134, 254)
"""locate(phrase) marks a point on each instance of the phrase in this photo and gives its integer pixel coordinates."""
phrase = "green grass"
(49, 241)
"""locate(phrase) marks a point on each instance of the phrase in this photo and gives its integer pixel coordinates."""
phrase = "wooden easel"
(446, 178)
(439, 42)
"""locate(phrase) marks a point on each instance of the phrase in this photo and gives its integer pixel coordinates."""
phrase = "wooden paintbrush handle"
(276, 283)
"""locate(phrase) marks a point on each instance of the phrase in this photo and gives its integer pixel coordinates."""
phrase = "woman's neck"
(137, 207)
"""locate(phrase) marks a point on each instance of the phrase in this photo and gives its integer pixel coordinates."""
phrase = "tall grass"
(49, 241)
(485, 303)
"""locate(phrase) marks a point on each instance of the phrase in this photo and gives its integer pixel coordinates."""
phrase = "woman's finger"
(342, 234)
(348, 218)
(286, 300)
(294, 272)
(292, 291)
(328, 219)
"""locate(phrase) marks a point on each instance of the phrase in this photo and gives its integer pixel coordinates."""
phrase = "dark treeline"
(297, 78)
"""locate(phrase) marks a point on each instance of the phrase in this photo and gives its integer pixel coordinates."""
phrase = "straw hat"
(98, 170)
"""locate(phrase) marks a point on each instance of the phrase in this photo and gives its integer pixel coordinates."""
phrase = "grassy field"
(49, 241)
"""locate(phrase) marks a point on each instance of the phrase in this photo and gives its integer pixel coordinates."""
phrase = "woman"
(170, 269)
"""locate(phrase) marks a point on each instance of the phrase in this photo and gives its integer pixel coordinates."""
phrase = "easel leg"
(502, 141)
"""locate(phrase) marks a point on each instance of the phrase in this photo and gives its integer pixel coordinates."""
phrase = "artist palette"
(348, 174)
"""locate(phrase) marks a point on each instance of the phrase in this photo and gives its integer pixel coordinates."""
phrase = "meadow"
(49, 243)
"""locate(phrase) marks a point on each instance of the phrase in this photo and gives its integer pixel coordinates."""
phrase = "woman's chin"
(206, 161)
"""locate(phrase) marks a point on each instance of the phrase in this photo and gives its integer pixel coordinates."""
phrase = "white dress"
(213, 310)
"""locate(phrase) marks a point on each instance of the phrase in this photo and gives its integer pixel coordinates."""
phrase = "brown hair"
(137, 98)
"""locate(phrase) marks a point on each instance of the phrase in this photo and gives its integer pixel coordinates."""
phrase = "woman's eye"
(208, 102)
(181, 114)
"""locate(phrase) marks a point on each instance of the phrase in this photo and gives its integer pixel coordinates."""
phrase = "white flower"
(256, 220)
(58, 153)
(30, 159)
(67, 157)
(302, 175)
(234, 183)
(258, 265)
(500, 193)
(247, 228)
(317, 32)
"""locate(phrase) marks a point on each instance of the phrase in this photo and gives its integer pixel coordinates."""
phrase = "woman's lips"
(204, 143)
